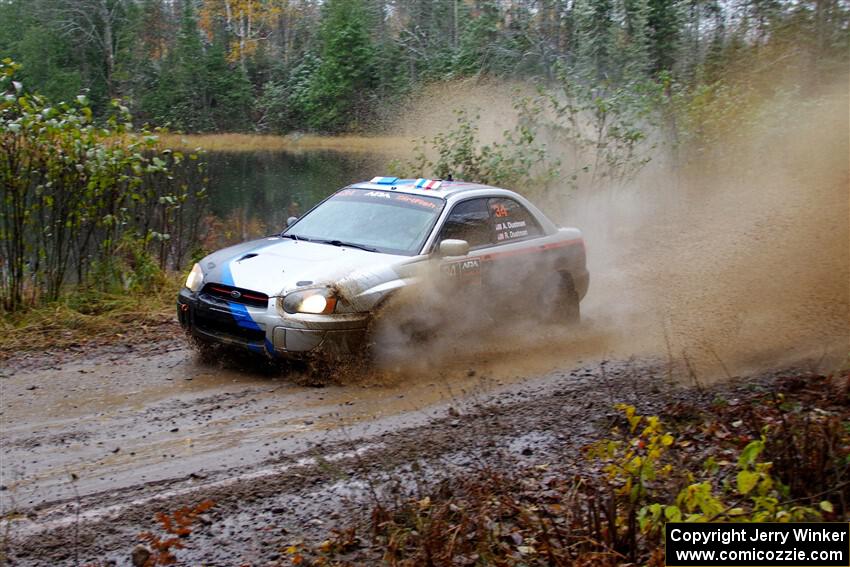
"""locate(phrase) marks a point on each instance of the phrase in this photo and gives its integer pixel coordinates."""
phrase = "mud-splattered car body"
(256, 295)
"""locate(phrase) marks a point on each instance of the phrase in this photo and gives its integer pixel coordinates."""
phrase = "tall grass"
(290, 143)
(90, 317)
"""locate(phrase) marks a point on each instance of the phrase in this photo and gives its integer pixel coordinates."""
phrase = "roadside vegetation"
(94, 218)
(775, 454)
(253, 143)
(88, 317)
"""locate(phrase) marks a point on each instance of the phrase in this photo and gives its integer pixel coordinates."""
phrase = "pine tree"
(228, 91)
(664, 24)
(635, 45)
(341, 88)
(49, 63)
(180, 98)
(596, 37)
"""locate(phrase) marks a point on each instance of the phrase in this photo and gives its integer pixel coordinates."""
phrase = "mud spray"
(715, 266)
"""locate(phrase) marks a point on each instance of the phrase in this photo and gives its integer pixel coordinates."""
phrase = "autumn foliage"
(177, 527)
(778, 454)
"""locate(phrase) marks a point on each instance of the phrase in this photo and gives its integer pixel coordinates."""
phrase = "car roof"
(452, 191)
(444, 190)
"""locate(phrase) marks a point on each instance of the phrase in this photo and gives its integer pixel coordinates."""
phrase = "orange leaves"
(178, 525)
(246, 23)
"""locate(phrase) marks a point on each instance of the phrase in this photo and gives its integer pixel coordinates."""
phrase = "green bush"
(77, 196)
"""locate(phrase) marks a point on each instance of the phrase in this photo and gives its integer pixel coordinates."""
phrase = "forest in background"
(345, 65)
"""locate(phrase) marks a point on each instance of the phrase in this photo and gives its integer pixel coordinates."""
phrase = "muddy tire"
(566, 309)
(395, 328)
(320, 371)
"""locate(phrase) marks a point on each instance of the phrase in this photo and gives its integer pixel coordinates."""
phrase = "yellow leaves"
(297, 558)
(672, 514)
(750, 453)
(747, 480)
(627, 409)
(247, 23)
(631, 417)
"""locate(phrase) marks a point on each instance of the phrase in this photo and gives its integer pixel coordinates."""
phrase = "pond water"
(255, 192)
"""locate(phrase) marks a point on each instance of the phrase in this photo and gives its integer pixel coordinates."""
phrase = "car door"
(501, 270)
(470, 221)
(514, 265)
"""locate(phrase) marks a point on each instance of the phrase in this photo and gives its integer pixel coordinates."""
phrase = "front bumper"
(264, 330)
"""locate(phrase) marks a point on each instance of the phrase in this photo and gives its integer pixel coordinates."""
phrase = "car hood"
(275, 266)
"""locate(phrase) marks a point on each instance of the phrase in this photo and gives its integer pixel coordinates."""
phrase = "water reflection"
(255, 192)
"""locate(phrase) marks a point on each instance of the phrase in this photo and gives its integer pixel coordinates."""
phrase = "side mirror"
(452, 247)
(291, 220)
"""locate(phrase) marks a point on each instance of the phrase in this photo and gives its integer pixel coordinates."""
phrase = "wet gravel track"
(97, 447)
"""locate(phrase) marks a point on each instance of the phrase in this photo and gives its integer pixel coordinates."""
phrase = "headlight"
(195, 278)
(316, 301)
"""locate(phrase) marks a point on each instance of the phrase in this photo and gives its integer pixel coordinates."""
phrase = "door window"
(470, 221)
(511, 221)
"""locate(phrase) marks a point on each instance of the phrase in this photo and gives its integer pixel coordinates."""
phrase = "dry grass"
(89, 318)
(290, 143)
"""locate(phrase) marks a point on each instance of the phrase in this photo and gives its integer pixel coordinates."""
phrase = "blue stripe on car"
(237, 310)
(240, 312)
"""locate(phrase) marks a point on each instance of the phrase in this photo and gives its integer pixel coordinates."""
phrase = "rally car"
(318, 287)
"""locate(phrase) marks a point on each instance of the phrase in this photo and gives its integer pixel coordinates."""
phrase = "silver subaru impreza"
(319, 286)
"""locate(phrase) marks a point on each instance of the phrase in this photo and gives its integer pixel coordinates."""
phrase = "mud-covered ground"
(94, 446)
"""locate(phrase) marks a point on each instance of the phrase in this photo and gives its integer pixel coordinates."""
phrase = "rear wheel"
(566, 309)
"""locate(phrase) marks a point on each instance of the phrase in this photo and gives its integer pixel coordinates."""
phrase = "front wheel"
(398, 330)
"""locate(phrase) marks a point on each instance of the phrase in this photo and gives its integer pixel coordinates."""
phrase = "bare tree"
(91, 23)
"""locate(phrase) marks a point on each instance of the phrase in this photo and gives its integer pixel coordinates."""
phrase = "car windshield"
(382, 221)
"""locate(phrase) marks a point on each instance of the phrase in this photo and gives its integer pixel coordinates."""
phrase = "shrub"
(83, 201)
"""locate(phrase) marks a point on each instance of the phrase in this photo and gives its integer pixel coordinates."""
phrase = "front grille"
(221, 327)
(236, 294)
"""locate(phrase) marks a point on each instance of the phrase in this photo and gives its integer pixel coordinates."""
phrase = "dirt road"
(97, 443)
(93, 447)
